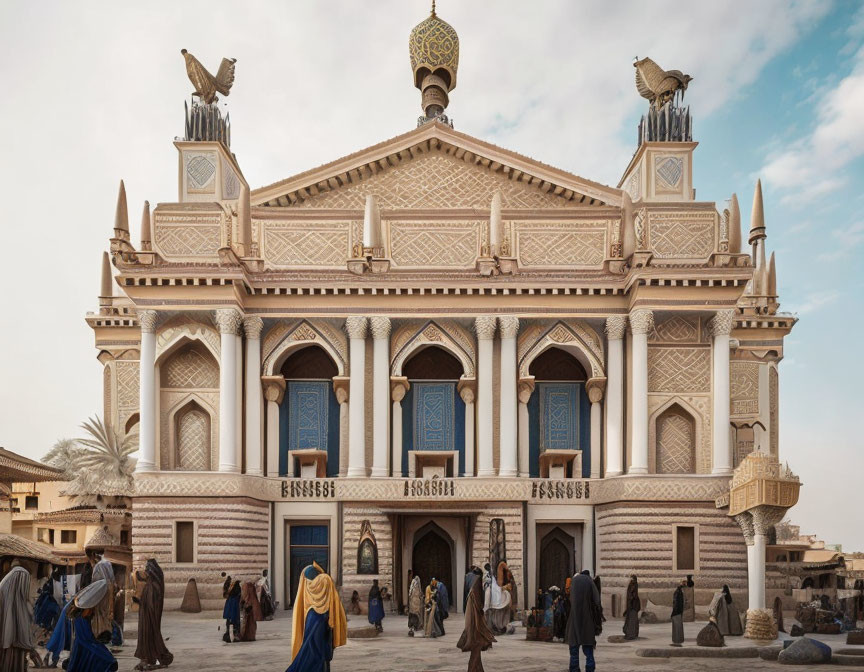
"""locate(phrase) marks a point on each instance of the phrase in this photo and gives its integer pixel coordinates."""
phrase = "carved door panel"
(432, 559)
(556, 559)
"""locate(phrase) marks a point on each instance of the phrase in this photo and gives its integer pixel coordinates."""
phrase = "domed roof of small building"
(434, 45)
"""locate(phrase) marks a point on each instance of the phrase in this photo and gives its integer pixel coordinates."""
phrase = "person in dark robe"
(585, 621)
(476, 637)
(632, 605)
(102, 619)
(16, 621)
(231, 610)
(250, 612)
(561, 612)
(265, 598)
(434, 619)
(61, 638)
(354, 608)
(469, 580)
(678, 615)
(151, 649)
(88, 653)
(724, 613)
(87, 572)
(319, 625)
(443, 600)
(376, 608)
(46, 610)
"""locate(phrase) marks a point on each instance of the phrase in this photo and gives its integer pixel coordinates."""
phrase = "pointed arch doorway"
(432, 556)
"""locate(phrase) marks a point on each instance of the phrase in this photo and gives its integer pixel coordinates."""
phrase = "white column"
(147, 392)
(238, 407)
(466, 391)
(588, 545)
(756, 571)
(615, 327)
(721, 328)
(228, 321)
(526, 389)
(485, 328)
(398, 388)
(341, 387)
(274, 390)
(508, 425)
(356, 328)
(595, 396)
(380, 395)
(641, 322)
(254, 445)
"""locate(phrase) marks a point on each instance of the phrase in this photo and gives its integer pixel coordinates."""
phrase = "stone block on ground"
(855, 637)
(805, 651)
(191, 601)
(710, 636)
(648, 617)
(828, 628)
(362, 632)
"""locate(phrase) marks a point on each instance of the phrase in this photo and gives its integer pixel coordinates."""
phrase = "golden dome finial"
(434, 50)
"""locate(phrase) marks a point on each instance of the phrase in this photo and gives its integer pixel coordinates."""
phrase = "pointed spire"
(757, 217)
(121, 218)
(734, 225)
(145, 227)
(106, 289)
(372, 224)
(244, 220)
(628, 230)
(772, 277)
(496, 227)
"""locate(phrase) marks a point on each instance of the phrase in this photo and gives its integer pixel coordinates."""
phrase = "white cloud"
(814, 301)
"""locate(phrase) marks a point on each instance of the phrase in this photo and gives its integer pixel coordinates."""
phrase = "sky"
(92, 92)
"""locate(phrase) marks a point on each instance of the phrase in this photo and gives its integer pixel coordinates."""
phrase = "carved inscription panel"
(681, 235)
(561, 243)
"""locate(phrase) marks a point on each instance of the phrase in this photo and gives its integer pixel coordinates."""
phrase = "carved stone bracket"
(399, 387)
(274, 388)
(526, 389)
(467, 388)
(595, 387)
(341, 386)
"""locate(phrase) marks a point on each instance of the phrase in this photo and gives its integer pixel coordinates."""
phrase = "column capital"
(509, 326)
(641, 321)
(525, 389)
(399, 386)
(745, 522)
(485, 327)
(253, 325)
(595, 388)
(147, 320)
(274, 388)
(341, 386)
(228, 320)
(356, 326)
(380, 327)
(722, 322)
(467, 388)
(616, 325)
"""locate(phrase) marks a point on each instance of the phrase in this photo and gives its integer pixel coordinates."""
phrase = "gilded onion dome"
(434, 50)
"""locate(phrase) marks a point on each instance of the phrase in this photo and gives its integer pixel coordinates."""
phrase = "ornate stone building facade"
(435, 351)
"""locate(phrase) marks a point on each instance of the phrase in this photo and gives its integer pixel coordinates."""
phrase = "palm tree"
(64, 455)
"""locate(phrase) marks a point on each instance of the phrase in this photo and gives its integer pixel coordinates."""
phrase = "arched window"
(192, 425)
(676, 442)
(367, 551)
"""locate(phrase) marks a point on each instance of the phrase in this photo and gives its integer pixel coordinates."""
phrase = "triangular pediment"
(435, 167)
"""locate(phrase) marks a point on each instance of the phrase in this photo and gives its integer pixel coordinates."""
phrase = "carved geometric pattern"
(774, 409)
(559, 416)
(187, 236)
(455, 244)
(634, 185)
(675, 443)
(534, 338)
(675, 329)
(306, 244)
(172, 404)
(669, 170)
(307, 409)
(200, 171)
(185, 326)
(230, 183)
(575, 247)
(681, 235)
(106, 391)
(679, 369)
(446, 333)
(191, 367)
(127, 390)
(285, 334)
(193, 441)
(434, 416)
(744, 381)
(435, 181)
(698, 406)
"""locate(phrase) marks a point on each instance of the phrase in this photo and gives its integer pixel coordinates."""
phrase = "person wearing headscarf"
(46, 610)
(376, 608)
(678, 614)
(724, 613)
(476, 636)
(250, 612)
(443, 600)
(585, 621)
(416, 610)
(778, 614)
(151, 649)
(102, 618)
(632, 605)
(268, 608)
(88, 653)
(508, 583)
(434, 620)
(16, 620)
(319, 625)
(231, 610)
(496, 603)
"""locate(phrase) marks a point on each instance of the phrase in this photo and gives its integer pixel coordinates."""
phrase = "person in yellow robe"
(319, 624)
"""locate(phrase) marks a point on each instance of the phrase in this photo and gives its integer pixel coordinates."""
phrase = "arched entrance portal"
(432, 557)
(556, 559)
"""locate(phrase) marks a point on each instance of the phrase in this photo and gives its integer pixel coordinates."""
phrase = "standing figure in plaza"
(562, 613)
(376, 608)
(151, 649)
(16, 620)
(319, 625)
(355, 609)
(496, 603)
(632, 605)
(585, 621)
(434, 619)
(469, 581)
(778, 614)
(416, 607)
(46, 609)
(678, 615)
(87, 573)
(102, 620)
(476, 636)
(88, 653)
(725, 614)
(250, 612)
(443, 600)
(61, 638)
(268, 607)
(231, 610)
(508, 583)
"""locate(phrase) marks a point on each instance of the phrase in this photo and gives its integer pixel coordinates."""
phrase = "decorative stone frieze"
(228, 320)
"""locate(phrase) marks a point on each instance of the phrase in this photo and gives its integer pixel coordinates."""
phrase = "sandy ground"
(195, 641)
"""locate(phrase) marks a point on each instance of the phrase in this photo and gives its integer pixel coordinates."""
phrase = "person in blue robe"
(443, 600)
(88, 654)
(231, 611)
(61, 638)
(376, 608)
(319, 624)
(46, 610)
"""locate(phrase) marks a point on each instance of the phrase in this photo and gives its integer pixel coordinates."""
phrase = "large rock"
(805, 651)
(191, 602)
(855, 637)
(648, 617)
(710, 636)
(796, 631)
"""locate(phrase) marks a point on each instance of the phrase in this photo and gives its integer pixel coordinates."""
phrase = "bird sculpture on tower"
(206, 85)
(659, 86)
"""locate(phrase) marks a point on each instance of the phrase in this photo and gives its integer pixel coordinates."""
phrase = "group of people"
(427, 609)
(83, 614)
(246, 603)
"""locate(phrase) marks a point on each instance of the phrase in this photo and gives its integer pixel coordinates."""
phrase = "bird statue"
(658, 85)
(206, 85)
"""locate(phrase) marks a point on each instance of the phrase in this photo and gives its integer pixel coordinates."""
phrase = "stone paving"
(195, 641)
